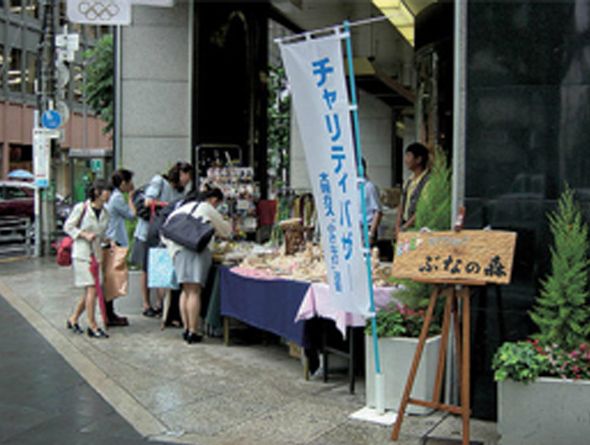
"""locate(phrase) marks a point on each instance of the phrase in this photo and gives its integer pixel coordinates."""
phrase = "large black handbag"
(188, 231)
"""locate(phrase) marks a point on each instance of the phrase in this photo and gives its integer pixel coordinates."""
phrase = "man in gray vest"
(416, 160)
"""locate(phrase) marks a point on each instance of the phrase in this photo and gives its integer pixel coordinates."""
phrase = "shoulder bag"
(114, 271)
(188, 231)
(64, 246)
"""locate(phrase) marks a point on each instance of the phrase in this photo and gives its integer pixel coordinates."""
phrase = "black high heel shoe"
(193, 338)
(185, 335)
(75, 327)
(99, 333)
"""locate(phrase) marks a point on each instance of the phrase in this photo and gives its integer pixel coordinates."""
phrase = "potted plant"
(398, 328)
(399, 324)
(544, 382)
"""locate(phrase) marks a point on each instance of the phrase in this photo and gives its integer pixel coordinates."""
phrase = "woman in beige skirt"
(87, 225)
(192, 268)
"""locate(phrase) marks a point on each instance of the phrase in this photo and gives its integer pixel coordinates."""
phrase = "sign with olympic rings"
(100, 12)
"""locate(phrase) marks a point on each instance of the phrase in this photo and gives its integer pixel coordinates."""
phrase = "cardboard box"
(295, 350)
(390, 196)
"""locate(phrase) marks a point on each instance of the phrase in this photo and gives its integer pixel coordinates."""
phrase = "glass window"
(63, 15)
(30, 73)
(91, 32)
(32, 9)
(2, 66)
(75, 27)
(15, 193)
(16, 6)
(15, 70)
(105, 30)
(77, 95)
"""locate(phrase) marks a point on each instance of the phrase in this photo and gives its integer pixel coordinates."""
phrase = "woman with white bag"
(192, 267)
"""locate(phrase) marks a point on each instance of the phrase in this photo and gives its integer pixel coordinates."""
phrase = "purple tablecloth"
(270, 305)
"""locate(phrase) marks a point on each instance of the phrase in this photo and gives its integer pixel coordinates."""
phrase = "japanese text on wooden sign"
(475, 255)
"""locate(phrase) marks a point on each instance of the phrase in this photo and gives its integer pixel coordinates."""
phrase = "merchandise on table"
(307, 265)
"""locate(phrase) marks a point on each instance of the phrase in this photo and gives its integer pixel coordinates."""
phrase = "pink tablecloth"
(317, 302)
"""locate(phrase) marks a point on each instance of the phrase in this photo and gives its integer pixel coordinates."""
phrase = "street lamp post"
(45, 81)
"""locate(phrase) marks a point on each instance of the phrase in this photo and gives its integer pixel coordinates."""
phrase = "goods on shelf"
(241, 193)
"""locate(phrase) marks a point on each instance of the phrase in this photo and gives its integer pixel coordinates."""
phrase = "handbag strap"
(81, 216)
(189, 214)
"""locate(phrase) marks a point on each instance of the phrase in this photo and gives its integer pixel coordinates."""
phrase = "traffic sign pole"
(45, 88)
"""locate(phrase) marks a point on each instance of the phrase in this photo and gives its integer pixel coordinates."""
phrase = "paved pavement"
(146, 384)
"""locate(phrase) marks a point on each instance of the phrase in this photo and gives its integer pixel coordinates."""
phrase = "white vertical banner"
(99, 12)
(315, 70)
(41, 156)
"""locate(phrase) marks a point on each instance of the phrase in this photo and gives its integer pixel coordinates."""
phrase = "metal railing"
(16, 237)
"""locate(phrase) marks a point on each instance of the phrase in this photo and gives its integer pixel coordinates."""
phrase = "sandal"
(75, 327)
(150, 312)
(99, 333)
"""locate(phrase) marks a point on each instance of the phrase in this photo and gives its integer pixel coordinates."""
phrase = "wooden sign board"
(474, 255)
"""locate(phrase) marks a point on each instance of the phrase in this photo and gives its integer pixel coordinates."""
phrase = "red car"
(17, 199)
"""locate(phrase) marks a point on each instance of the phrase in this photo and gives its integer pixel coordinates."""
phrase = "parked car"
(17, 198)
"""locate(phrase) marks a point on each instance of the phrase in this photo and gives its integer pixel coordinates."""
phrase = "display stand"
(452, 290)
(240, 192)
(453, 262)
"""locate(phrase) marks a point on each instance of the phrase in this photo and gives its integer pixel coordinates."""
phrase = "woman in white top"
(191, 267)
(87, 225)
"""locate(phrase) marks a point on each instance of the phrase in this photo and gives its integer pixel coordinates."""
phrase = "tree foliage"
(433, 209)
(562, 311)
(100, 75)
(279, 121)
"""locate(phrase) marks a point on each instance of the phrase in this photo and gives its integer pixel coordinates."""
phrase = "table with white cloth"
(317, 303)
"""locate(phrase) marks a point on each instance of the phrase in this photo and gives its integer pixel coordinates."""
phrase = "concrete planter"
(396, 355)
(547, 412)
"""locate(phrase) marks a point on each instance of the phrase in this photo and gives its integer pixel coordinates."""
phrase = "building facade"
(527, 83)
(20, 34)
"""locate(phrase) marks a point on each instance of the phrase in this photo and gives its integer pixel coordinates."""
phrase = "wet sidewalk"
(145, 383)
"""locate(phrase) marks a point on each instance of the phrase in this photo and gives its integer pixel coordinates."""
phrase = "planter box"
(396, 355)
(547, 412)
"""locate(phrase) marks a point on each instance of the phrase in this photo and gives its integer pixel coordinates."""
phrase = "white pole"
(118, 136)
(379, 382)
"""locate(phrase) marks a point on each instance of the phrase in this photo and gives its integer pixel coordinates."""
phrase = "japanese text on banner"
(316, 75)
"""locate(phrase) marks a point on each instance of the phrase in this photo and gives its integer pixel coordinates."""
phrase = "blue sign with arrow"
(51, 119)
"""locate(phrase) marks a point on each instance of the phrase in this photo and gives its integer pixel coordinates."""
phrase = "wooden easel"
(452, 290)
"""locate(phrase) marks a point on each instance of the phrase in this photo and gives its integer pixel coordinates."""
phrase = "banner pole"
(334, 28)
(361, 174)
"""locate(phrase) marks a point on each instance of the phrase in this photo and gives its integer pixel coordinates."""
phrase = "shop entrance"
(230, 88)
(87, 165)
